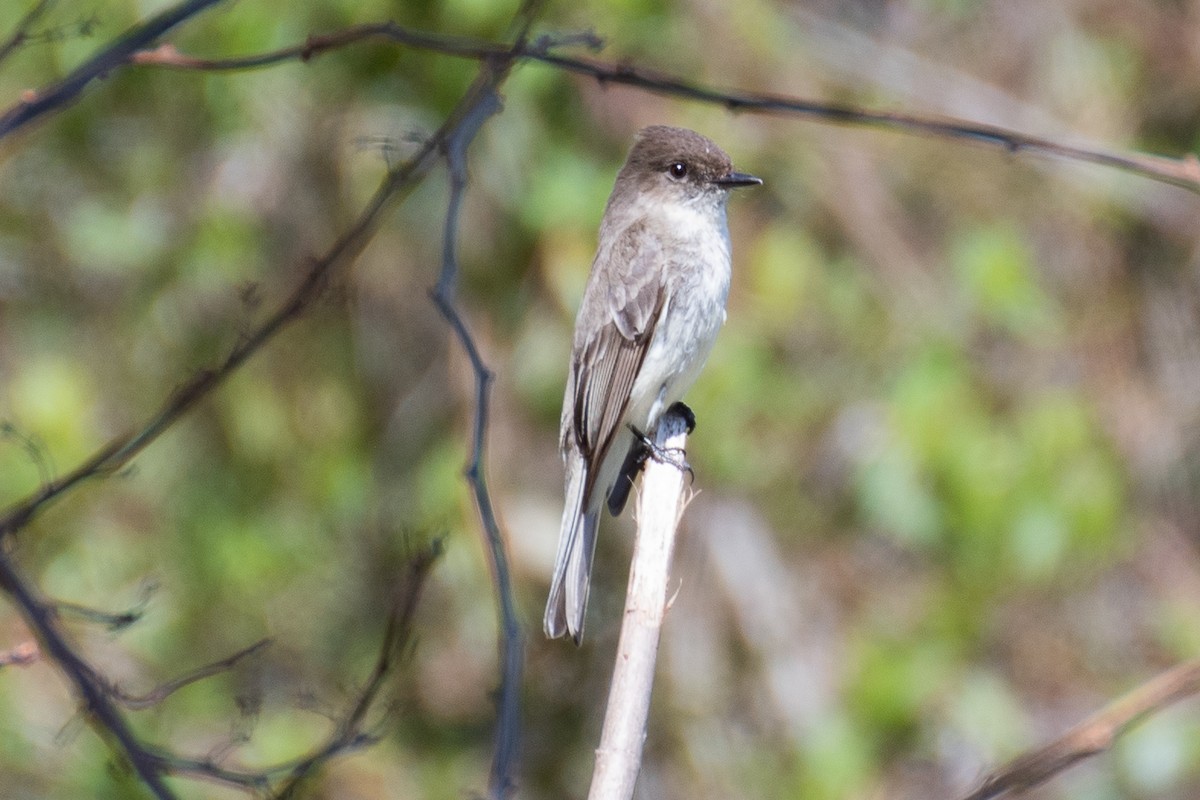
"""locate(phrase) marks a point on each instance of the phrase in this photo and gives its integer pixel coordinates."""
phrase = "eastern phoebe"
(654, 302)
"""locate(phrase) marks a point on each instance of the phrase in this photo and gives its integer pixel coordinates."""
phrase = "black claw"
(689, 417)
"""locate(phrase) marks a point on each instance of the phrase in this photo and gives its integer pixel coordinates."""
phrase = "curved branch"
(502, 780)
(1092, 736)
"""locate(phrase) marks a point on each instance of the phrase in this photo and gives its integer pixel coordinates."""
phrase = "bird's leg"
(675, 456)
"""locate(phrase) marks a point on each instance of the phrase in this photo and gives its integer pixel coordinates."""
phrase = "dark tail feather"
(635, 459)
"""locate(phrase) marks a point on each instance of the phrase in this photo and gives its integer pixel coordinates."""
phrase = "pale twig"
(20, 655)
(660, 504)
(1092, 736)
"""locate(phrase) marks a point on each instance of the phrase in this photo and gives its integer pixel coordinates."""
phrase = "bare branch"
(95, 697)
(349, 734)
(98, 66)
(1182, 172)
(1093, 736)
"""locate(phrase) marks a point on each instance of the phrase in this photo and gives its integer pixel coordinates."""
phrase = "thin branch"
(116, 454)
(139, 702)
(660, 504)
(93, 694)
(20, 34)
(114, 621)
(1093, 736)
(349, 734)
(167, 56)
(98, 66)
(1182, 172)
(501, 781)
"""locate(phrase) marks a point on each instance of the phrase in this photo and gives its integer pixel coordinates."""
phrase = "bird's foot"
(675, 456)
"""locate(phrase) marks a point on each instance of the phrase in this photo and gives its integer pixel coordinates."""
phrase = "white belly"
(687, 328)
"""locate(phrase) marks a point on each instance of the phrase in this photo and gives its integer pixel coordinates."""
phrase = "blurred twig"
(113, 620)
(20, 34)
(1093, 736)
(138, 702)
(65, 92)
(1182, 172)
(350, 731)
(166, 55)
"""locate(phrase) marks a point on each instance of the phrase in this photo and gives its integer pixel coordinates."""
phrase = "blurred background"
(947, 458)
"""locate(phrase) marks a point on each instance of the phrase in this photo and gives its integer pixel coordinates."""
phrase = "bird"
(651, 310)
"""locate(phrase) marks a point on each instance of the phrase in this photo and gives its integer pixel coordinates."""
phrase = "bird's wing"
(633, 294)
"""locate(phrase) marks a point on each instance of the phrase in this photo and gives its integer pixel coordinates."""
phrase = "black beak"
(736, 179)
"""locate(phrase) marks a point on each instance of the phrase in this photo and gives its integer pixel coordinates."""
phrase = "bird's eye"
(678, 170)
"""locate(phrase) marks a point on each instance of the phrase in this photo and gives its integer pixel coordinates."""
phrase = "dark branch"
(168, 56)
(119, 52)
(501, 781)
(114, 621)
(95, 697)
(21, 34)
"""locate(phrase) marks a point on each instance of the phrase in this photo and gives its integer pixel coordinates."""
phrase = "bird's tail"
(573, 565)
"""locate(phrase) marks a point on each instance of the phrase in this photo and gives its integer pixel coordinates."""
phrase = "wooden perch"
(660, 504)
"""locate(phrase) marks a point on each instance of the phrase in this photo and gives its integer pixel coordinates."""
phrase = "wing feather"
(634, 293)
